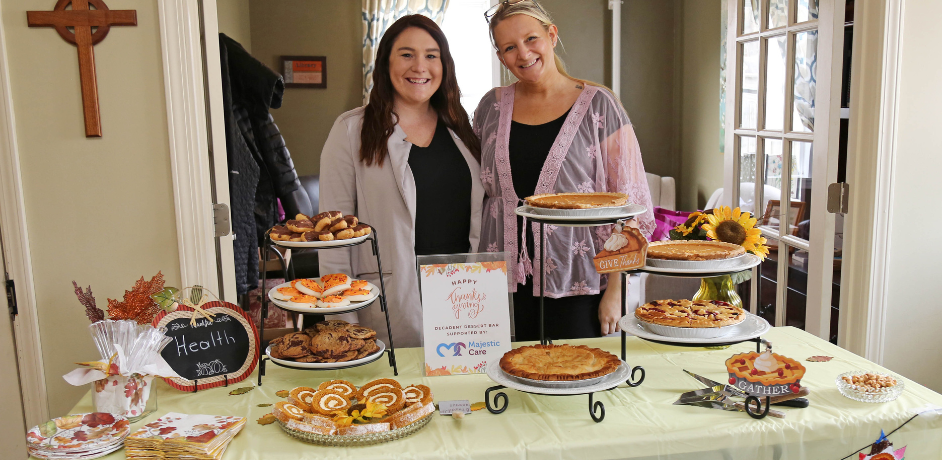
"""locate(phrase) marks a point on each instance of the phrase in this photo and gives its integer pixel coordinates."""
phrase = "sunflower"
(732, 226)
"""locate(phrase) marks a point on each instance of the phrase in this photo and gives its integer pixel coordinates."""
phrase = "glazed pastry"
(385, 394)
(360, 332)
(363, 429)
(298, 237)
(417, 394)
(361, 230)
(323, 236)
(301, 397)
(300, 216)
(326, 402)
(285, 411)
(344, 234)
(332, 301)
(340, 386)
(310, 236)
(285, 293)
(337, 224)
(410, 415)
(280, 233)
(360, 284)
(302, 301)
(323, 220)
(300, 226)
(310, 287)
(357, 295)
(335, 284)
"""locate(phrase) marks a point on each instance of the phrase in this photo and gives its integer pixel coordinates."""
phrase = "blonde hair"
(534, 10)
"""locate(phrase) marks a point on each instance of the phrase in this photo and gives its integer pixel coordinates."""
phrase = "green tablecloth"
(640, 423)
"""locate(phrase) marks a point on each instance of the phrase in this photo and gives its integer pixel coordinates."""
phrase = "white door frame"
(16, 255)
(878, 28)
(190, 142)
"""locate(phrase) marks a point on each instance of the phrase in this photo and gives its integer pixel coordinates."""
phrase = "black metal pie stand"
(270, 247)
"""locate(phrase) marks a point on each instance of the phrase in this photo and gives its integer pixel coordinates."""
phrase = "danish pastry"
(332, 301)
(326, 402)
(301, 397)
(357, 295)
(300, 226)
(285, 411)
(361, 230)
(417, 394)
(302, 301)
(311, 287)
(340, 386)
(280, 233)
(285, 293)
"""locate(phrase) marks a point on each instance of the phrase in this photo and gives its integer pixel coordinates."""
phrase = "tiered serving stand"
(624, 373)
(389, 351)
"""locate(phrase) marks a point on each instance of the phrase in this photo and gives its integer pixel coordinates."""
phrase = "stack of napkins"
(78, 437)
(178, 436)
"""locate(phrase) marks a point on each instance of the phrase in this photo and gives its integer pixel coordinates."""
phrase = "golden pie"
(765, 373)
(690, 313)
(577, 200)
(558, 362)
(693, 250)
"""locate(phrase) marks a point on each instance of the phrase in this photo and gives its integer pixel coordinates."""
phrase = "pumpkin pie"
(577, 200)
(693, 250)
(558, 362)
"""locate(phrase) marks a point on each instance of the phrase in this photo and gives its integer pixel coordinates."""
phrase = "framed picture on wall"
(304, 71)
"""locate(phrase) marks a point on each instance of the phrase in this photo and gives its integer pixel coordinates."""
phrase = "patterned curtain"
(378, 15)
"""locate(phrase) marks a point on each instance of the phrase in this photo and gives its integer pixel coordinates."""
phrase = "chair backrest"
(663, 192)
(312, 185)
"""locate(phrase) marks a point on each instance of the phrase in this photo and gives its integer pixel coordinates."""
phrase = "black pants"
(573, 317)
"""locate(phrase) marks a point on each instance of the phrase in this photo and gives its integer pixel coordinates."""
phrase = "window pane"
(471, 49)
(778, 13)
(807, 10)
(775, 83)
(749, 99)
(772, 192)
(750, 16)
(806, 61)
(800, 209)
(747, 160)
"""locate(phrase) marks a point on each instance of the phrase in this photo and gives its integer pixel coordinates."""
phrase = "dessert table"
(640, 423)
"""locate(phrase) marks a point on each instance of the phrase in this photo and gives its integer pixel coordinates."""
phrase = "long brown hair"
(378, 118)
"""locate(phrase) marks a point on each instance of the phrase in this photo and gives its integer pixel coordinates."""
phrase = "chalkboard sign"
(209, 353)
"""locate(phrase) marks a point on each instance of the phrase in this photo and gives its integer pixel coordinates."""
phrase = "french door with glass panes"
(783, 72)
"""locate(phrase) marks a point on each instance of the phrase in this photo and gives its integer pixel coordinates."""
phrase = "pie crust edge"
(611, 364)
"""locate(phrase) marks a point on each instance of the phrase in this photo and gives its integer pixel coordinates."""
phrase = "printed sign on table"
(466, 312)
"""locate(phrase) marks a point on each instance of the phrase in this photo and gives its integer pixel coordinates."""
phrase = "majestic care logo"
(473, 348)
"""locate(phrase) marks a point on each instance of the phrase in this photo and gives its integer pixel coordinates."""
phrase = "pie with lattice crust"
(693, 250)
(577, 200)
(690, 313)
(558, 362)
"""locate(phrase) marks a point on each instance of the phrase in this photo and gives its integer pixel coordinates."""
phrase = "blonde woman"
(551, 133)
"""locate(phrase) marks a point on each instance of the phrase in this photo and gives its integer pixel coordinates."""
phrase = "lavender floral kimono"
(596, 150)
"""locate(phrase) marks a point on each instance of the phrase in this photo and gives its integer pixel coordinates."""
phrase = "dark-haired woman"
(407, 164)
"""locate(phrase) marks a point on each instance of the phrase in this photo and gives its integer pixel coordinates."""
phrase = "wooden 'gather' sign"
(208, 353)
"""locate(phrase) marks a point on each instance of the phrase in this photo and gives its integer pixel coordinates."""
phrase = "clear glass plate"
(878, 395)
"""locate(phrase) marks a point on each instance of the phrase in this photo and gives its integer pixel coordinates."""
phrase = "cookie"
(295, 345)
(361, 284)
(302, 301)
(330, 324)
(348, 356)
(368, 349)
(285, 293)
(357, 295)
(326, 402)
(308, 359)
(310, 287)
(332, 301)
(330, 344)
(335, 283)
(360, 332)
(340, 386)
(301, 397)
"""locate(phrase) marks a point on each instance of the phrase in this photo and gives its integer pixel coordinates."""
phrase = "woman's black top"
(529, 146)
(442, 196)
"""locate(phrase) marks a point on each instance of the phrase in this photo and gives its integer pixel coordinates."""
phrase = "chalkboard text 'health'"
(216, 339)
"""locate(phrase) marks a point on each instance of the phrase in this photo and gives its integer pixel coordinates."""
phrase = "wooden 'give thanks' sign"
(208, 353)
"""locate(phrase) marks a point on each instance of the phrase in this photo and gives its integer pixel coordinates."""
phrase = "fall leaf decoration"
(478, 406)
(48, 429)
(86, 298)
(165, 299)
(820, 359)
(68, 422)
(264, 405)
(138, 304)
(97, 419)
(282, 393)
(241, 391)
(266, 419)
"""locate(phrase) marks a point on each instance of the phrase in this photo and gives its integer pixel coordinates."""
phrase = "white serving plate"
(751, 327)
(355, 362)
(320, 244)
(712, 265)
(689, 332)
(607, 382)
(743, 262)
(579, 215)
(322, 311)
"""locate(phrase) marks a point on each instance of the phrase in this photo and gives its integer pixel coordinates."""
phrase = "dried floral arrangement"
(140, 304)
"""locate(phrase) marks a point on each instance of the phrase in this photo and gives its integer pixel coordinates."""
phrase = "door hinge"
(221, 220)
(11, 298)
(838, 197)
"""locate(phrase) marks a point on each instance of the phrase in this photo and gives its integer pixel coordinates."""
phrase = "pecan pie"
(690, 313)
(558, 362)
(693, 250)
(577, 200)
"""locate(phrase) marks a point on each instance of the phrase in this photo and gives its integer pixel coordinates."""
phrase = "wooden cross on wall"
(82, 20)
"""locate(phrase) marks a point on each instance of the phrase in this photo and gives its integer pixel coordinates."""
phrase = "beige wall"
(913, 345)
(701, 163)
(329, 28)
(233, 17)
(99, 211)
(586, 35)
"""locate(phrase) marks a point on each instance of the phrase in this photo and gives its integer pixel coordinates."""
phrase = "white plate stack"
(80, 436)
